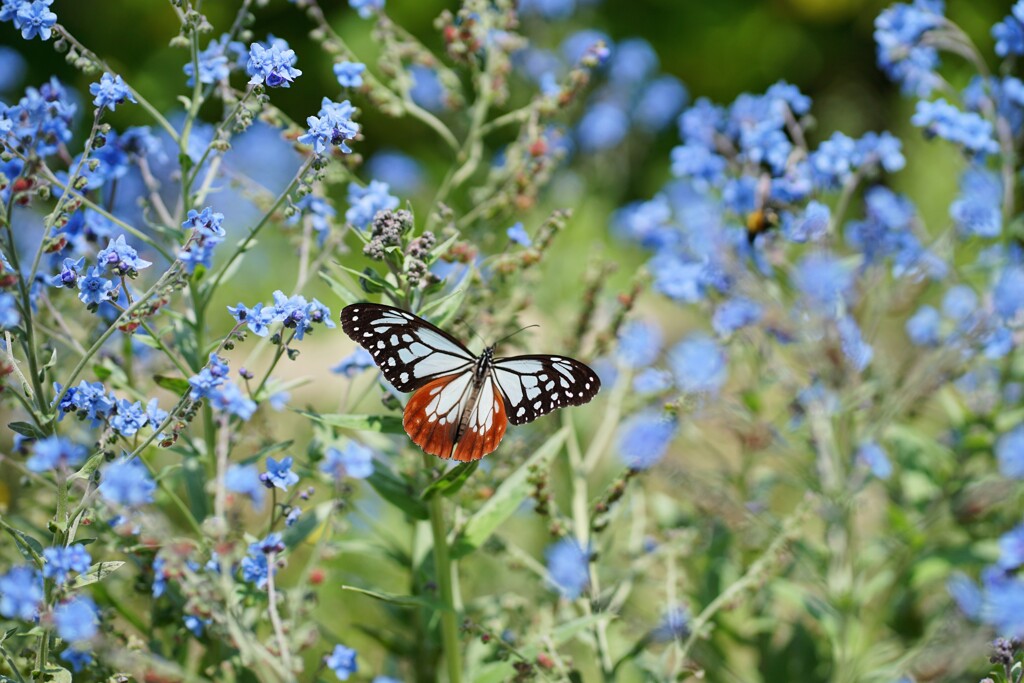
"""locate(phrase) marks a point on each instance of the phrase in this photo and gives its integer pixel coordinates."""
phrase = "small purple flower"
(970, 130)
(206, 223)
(342, 661)
(76, 619)
(110, 92)
(569, 567)
(675, 625)
(229, 398)
(69, 273)
(349, 74)
(273, 66)
(354, 460)
(518, 235)
(129, 418)
(279, 474)
(55, 451)
(1009, 33)
(331, 127)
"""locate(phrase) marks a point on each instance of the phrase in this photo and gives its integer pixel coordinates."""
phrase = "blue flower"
(35, 19)
(697, 162)
(1003, 605)
(824, 281)
(129, 418)
(549, 9)
(942, 119)
(214, 65)
(870, 454)
(1011, 549)
(1008, 293)
(273, 66)
(659, 103)
(228, 398)
(966, 594)
(195, 625)
(812, 226)
(1009, 33)
(701, 123)
(10, 315)
(254, 569)
(652, 381)
(76, 619)
(518, 235)
(644, 438)
(94, 289)
(675, 625)
(245, 479)
(856, 350)
(121, 258)
(569, 567)
(959, 303)
(60, 561)
(69, 272)
(699, 365)
(342, 661)
(734, 314)
(55, 451)
(923, 327)
(127, 482)
(331, 127)
(21, 592)
(427, 90)
(78, 659)
(402, 172)
(279, 474)
(902, 54)
(206, 223)
(354, 460)
(978, 209)
(833, 162)
(349, 74)
(365, 202)
(87, 400)
(257, 319)
(586, 42)
(603, 126)
(639, 344)
(366, 8)
(797, 102)
(110, 92)
(354, 363)
(1010, 453)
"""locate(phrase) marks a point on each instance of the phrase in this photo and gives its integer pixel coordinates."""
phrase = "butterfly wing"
(535, 385)
(447, 418)
(408, 350)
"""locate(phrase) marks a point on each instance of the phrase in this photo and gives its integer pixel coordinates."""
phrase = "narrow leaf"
(26, 429)
(451, 481)
(399, 600)
(97, 572)
(506, 499)
(385, 424)
(175, 384)
(398, 493)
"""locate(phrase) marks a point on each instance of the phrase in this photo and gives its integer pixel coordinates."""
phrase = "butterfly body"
(462, 403)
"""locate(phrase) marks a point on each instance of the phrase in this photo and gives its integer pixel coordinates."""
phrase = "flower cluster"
(225, 396)
(272, 65)
(331, 127)
(207, 232)
(90, 401)
(294, 313)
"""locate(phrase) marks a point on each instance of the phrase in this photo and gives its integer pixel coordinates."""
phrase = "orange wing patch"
(486, 425)
(430, 424)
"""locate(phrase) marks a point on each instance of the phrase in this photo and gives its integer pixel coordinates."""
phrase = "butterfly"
(462, 403)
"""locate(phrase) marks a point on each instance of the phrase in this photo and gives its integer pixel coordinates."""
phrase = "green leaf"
(451, 481)
(398, 493)
(97, 572)
(57, 674)
(26, 544)
(369, 280)
(102, 372)
(309, 522)
(506, 499)
(195, 487)
(346, 295)
(443, 310)
(91, 465)
(175, 384)
(385, 424)
(26, 429)
(398, 600)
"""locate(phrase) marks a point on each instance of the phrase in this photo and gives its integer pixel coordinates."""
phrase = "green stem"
(444, 569)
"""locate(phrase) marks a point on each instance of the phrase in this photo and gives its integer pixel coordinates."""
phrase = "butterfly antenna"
(514, 334)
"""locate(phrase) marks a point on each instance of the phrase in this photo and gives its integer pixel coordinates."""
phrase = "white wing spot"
(407, 337)
(380, 344)
(394, 340)
(521, 411)
(549, 386)
(536, 406)
(391, 361)
(404, 377)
